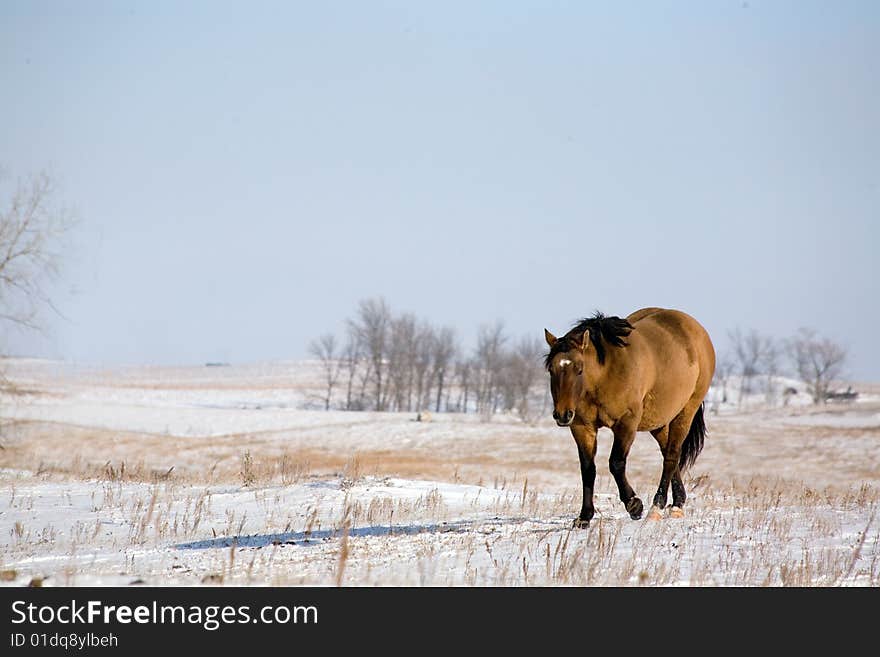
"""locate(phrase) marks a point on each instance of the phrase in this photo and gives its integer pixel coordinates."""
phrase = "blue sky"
(246, 172)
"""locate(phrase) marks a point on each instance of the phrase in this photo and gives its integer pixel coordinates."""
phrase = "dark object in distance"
(847, 395)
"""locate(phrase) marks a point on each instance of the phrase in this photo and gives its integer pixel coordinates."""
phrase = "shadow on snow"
(306, 539)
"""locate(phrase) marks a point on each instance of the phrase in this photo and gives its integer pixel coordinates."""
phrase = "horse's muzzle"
(564, 419)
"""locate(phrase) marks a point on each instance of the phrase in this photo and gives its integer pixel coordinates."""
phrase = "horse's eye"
(579, 370)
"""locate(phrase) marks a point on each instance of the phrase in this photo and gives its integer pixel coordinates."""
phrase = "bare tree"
(365, 376)
(464, 377)
(818, 362)
(443, 354)
(400, 354)
(324, 349)
(522, 373)
(724, 368)
(373, 327)
(32, 230)
(749, 350)
(421, 365)
(770, 358)
(488, 364)
(351, 359)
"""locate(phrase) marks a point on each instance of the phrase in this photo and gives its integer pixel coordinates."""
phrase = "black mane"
(612, 329)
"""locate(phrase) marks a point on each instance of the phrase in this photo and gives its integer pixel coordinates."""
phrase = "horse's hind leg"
(661, 435)
(624, 435)
(670, 438)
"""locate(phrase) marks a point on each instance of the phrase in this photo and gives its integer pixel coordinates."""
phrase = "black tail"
(693, 443)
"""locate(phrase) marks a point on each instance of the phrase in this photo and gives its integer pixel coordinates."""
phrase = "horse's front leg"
(624, 435)
(585, 439)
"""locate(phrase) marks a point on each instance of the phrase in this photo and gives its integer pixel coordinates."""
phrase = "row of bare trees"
(758, 360)
(398, 362)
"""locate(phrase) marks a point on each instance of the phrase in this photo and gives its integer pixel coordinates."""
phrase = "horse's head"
(565, 363)
(576, 360)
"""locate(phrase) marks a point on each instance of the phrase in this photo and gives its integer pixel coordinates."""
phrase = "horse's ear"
(585, 340)
(550, 338)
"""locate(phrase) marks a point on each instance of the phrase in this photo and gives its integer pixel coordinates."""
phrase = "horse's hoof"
(580, 523)
(656, 513)
(635, 508)
(676, 512)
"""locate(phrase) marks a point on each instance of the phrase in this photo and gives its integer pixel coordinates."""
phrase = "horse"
(648, 372)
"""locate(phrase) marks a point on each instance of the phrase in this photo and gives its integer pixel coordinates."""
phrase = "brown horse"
(648, 372)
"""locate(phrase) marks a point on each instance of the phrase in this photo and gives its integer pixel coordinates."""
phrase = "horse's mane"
(612, 329)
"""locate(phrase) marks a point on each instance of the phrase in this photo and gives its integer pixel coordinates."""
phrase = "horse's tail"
(693, 443)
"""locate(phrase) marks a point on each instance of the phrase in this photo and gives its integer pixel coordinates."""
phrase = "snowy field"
(225, 475)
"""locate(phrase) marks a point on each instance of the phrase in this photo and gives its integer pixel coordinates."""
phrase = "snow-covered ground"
(210, 475)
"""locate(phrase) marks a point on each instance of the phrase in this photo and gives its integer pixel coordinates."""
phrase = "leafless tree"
(33, 228)
(364, 378)
(521, 376)
(818, 362)
(489, 364)
(770, 368)
(351, 362)
(400, 354)
(372, 326)
(324, 349)
(749, 351)
(464, 378)
(443, 350)
(422, 353)
(724, 368)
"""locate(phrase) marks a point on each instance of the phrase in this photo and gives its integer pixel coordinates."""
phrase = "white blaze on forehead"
(563, 362)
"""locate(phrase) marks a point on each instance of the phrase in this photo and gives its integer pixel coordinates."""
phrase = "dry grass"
(817, 455)
(752, 531)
